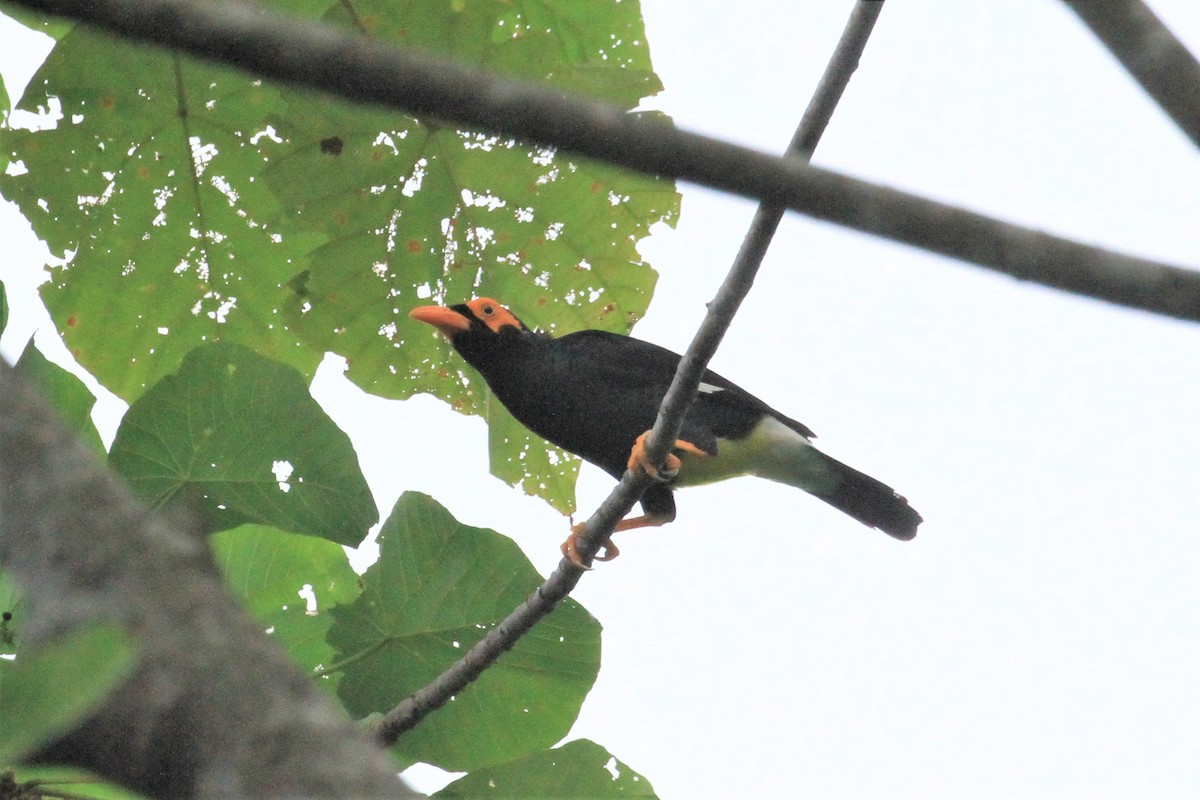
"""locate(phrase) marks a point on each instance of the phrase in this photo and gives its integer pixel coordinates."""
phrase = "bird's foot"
(608, 550)
(639, 461)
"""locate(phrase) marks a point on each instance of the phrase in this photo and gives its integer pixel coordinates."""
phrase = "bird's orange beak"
(446, 320)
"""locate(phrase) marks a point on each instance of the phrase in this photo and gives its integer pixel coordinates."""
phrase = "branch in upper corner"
(1153, 55)
(365, 70)
(679, 396)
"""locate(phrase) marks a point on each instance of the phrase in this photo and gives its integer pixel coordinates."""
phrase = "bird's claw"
(640, 462)
(570, 549)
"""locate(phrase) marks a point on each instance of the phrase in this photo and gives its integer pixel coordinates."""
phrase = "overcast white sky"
(1039, 638)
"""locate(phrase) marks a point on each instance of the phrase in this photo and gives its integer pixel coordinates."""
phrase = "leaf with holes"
(576, 769)
(149, 181)
(289, 583)
(237, 438)
(439, 587)
(414, 209)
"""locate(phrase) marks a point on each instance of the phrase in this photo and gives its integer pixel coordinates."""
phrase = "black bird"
(596, 394)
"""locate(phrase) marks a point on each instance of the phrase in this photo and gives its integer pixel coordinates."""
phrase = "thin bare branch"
(213, 708)
(322, 57)
(670, 416)
(1154, 57)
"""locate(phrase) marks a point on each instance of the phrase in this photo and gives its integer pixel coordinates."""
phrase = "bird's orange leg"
(608, 550)
(638, 461)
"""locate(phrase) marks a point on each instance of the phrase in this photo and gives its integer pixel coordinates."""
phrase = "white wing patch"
(708, 388)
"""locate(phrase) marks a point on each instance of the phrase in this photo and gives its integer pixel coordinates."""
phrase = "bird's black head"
(478, 330)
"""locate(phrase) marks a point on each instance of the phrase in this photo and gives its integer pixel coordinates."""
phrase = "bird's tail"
(869, 501)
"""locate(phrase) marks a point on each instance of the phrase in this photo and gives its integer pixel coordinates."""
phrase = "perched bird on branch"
(596, 394)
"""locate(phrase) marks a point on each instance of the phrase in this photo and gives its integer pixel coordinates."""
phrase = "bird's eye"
(488, 311)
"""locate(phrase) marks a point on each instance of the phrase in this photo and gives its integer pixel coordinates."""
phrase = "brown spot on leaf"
(414, 246)
(332, 145)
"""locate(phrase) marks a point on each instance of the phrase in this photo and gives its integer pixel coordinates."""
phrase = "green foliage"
(216, 207)
(5, 105)
(267, 569)
(577, 769)
(34, 706)
(239, 439)
(10, 614)
(3, 307)
(220, 235)
(54, 27)
(522, 459)
(67, 783)
(438, 587)
(69, 396)
(171, 250)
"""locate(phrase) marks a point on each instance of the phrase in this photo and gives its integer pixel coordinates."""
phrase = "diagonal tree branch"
(213, 708)
(1153, 55)
(674, 406)
(322, 57)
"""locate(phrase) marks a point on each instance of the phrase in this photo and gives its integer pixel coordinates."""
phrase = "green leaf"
(69, 783)
(33, 704)
(267, 569)
(5, 108)
(577, 769)
(438, 587)
(239, 439)
(3, 307)
(521, 458)
(65, 392)
(220, 208)
(597, 49)
(54, 27)
(415, 210)
(10, 614)
(150, 179)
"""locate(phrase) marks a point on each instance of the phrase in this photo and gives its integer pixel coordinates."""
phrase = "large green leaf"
(238, 439)
(438, 587)
(216, 207)
(415, 210)
(267, 569)
(54, 27)
(33, 703)
(577, 769)
(65, 392)
(149, 179)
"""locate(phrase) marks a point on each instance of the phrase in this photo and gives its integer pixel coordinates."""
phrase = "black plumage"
(593, 393)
